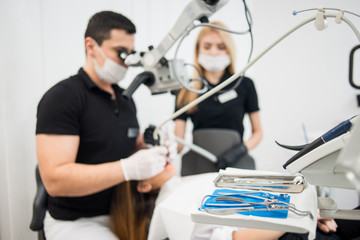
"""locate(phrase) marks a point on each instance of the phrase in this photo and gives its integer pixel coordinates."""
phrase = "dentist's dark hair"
(102, 23)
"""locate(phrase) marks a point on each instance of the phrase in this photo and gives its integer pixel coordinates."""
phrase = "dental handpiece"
(337, 131)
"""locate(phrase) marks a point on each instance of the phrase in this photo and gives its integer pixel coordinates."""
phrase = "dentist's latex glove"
(171, 145)
(145, 163)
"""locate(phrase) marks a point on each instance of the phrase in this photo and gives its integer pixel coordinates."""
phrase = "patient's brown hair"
(131, 211)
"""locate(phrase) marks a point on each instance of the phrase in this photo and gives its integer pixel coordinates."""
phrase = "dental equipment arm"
(154, 60)
(149, 139)
(197, 149)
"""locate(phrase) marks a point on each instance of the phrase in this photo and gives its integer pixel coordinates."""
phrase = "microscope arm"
(195, 10)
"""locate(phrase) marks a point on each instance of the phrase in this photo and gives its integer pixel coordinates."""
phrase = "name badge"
(227, 96)
(132, 132)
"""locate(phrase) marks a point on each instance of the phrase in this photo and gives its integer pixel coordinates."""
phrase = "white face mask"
(111, 72)
(214, 63)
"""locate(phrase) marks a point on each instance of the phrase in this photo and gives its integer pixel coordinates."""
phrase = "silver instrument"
(227, 211)
(271, 203)
(272, 183)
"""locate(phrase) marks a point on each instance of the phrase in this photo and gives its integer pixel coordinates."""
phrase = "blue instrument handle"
(338, 130)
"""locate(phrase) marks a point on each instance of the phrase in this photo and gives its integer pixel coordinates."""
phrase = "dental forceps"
(270, 202)
(263, 196)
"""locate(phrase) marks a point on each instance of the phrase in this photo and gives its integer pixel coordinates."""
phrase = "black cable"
(249, 22)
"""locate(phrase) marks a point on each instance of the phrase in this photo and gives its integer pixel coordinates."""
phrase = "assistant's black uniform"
(217, 113)
(211, 113)
(107, 130)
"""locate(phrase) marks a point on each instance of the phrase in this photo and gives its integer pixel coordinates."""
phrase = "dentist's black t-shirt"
(107, 129)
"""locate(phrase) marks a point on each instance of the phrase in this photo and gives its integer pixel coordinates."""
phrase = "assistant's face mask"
(214, 63)
(111, 72)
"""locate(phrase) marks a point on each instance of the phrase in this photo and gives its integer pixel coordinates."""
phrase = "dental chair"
(216, 141)
(39, 207)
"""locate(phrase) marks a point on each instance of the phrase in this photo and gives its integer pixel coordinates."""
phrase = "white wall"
(302, 81)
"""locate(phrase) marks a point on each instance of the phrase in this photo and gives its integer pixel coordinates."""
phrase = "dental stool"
(39, 207)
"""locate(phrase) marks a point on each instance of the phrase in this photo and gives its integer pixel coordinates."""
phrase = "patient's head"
(157, 181)
(133, 203)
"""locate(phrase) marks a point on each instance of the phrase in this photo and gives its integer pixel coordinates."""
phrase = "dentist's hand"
(144, 163)
(171, 145)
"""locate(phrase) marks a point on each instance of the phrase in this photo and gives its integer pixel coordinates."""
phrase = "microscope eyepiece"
(211, 2)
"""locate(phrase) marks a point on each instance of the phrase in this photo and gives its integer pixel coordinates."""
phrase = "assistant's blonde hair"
(185, 96)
